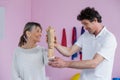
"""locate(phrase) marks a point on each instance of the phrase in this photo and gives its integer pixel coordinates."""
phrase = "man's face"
(89, 26)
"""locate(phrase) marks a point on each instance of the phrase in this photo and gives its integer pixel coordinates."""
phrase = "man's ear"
(95, 19)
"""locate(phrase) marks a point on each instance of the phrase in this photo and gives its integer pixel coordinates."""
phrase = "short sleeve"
(108, 48)
(79, 41)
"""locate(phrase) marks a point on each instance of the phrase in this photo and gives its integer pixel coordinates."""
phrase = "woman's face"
(35, 34)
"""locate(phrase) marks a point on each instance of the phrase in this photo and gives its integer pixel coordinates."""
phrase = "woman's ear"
(28, 34)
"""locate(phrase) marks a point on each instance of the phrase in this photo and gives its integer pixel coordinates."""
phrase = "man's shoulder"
(108, 34)
(108, 37)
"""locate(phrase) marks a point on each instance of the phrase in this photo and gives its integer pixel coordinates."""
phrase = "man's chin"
(90, 32)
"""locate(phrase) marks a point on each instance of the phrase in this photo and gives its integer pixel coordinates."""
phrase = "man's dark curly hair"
(89, 14)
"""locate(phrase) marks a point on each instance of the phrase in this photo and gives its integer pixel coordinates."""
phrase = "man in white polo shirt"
(97, 44)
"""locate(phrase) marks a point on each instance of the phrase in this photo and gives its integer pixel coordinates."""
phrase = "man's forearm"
(85, 64)
(63, 50)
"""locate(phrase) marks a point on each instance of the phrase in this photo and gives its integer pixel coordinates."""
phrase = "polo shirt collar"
(101, 32)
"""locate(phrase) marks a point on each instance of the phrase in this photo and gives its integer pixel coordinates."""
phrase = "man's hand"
(58, 63)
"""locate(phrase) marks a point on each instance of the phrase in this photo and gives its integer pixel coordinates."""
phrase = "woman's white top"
(29, 64)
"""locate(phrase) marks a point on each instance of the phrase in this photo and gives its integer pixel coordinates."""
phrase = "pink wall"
(18, 12)
(62, 13)
(59, 14)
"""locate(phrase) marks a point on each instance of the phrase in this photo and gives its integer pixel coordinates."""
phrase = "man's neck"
(99, 29)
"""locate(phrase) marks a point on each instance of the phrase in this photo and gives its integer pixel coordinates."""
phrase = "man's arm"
(84, 64)
(67, 51)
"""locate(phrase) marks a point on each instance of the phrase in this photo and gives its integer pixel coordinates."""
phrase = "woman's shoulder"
(42, 48)
(16, 51)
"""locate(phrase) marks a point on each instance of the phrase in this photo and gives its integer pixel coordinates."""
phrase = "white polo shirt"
(105, 45)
